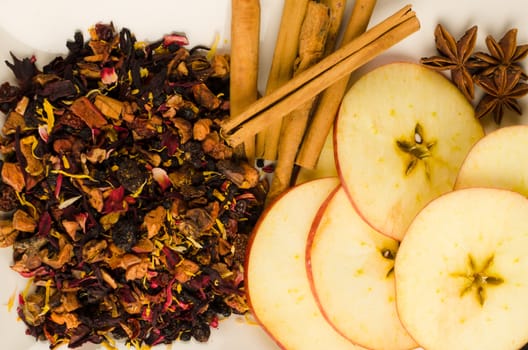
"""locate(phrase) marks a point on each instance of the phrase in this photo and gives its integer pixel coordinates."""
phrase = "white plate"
(41, 28)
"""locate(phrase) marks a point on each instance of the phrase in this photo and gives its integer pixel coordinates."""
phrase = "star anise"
(456, 57)
(504, 53)
(502, 91)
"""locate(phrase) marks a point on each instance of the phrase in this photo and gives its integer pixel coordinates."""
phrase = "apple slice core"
(460, 272)
(401, 135)
(277, 285)
(351, 269)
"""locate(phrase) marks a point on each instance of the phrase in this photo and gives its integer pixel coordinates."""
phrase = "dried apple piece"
(13, 122)
(154, 221)
(109, 107)
(8, 234)
(84, 109)
(22, 221)
(13, 176)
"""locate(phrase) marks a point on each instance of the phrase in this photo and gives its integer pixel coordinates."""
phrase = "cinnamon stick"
(263, 112)
(245, 34)
(337, 10)
(281, 69)
(330, 99)
(320, 25)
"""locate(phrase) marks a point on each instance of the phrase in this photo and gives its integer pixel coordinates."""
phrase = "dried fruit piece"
(202, 128)
(8, 234)
(154, 221)
(84, 109)
(109, 107)
(13, 176)
(22, 221)
(13, 122)
(205, 97)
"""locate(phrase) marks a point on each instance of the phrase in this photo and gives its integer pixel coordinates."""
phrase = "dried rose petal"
(43, 133)
(108, 75)
(161, 177)
(178, 39)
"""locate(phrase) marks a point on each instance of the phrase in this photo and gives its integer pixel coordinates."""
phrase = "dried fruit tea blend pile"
(130, 213)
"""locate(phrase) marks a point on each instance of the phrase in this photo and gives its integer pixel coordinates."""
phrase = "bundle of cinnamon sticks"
(308, 77)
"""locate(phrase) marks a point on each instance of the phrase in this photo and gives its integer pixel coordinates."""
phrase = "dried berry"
(124, 234)
(130, 175)
(8, 198)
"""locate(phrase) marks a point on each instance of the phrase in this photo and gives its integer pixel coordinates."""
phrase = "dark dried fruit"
(130, 175)
(8, 198)
(124, 234)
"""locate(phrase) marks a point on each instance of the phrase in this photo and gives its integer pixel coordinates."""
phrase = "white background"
(41, 28)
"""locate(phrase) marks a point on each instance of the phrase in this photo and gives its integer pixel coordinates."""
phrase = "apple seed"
(389, 255)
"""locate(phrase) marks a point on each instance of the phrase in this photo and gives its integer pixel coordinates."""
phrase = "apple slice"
(460, 272)
(494, 161)
(277, 285)
(351, 270)
(401, 135)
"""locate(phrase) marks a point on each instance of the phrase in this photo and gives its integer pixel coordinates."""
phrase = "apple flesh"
(460, 272)
(351, 270)
(496, 161)
(277, 286)
(401, 135)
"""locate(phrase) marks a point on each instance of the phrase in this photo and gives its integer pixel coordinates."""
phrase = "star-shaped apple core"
(477, 280)
(418, 148)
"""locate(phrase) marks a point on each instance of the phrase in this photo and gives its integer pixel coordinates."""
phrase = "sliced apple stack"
(351, 270)
(401, 136)
(390, 254)
(277, 285)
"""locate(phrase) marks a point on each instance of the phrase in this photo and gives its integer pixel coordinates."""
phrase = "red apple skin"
(246, 260)
(247, 284)
(309, 242)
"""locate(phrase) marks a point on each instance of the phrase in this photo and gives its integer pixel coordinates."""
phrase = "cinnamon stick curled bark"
(245, 34)
(318, 34)
(330, 99)
(263, 112)
(284, 56)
